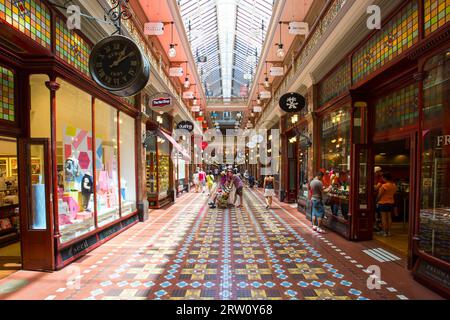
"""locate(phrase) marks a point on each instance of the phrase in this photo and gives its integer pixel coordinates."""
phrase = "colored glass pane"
(397, 110)
(71, 48)
(7, 95)
(400, 34)
(335, 84)
(30, 17)
(437, 14)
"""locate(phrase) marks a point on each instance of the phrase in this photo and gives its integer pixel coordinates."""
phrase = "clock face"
(117, 64)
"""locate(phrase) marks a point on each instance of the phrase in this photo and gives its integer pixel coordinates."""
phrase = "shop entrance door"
(396, 156)
(36, 204)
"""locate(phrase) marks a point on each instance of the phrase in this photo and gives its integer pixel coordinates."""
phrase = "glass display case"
(158, 170)
(335, 161)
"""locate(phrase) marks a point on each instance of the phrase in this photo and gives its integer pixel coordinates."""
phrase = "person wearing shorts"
(269, 190)
(318, 209)
(386, 203)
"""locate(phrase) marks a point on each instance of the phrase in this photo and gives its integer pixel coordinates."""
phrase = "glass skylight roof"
(230, 34)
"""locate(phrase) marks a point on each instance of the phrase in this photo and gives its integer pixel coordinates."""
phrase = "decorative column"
(53, 86)
(141, 159)
(312, 152)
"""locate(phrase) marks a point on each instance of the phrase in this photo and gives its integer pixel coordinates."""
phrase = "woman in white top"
(196, 179)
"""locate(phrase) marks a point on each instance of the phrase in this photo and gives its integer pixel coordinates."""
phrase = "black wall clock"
(117, 64)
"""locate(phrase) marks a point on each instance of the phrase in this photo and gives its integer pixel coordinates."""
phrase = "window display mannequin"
(87, 189)
(71, 171)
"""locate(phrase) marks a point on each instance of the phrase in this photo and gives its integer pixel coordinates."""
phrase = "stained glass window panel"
(30, 17)
(7, 95)
(400, 34)
(397, 110)
(437, 14)
(71, 48)
(335, 84)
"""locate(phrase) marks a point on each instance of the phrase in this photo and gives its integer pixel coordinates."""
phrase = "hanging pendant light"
(281, 53)
(187, 83)
(258, 99)
(172, 51)
(266, 80)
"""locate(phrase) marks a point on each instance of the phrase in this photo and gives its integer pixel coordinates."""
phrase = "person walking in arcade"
(269, 190)
(317, 195)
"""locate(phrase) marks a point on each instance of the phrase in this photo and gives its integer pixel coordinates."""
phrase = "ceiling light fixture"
(281, 53)
(187, 83)
(172, 51)
(266, 80)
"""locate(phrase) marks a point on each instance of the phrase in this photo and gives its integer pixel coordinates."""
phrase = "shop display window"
(74, 161)
(435, 183)
(7, 106)
(9, 192)
(127, 165)
(163, 167)
(335, 160)
(106, 164)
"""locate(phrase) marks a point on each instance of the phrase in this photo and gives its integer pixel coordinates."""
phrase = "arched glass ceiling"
(230, 34)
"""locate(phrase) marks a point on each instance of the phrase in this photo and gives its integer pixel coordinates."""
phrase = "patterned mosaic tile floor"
(191, 252)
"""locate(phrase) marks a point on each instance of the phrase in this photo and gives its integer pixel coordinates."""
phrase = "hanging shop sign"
(299, 28)
(161, 102)
(265, 94)
(195, 109)
(154, 29)
(188, 95)
(176, 72)
(185, 125)
(277, 71)
(118, 65)
(292, 102)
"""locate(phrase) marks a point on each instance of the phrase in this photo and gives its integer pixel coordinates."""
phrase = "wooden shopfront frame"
(155, 202)
(407, 68)
(25, 58)
(337, 224)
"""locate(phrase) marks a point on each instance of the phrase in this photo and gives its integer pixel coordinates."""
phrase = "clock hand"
(119, 59)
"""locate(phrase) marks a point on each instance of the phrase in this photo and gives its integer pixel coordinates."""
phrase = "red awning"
(177, 146)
